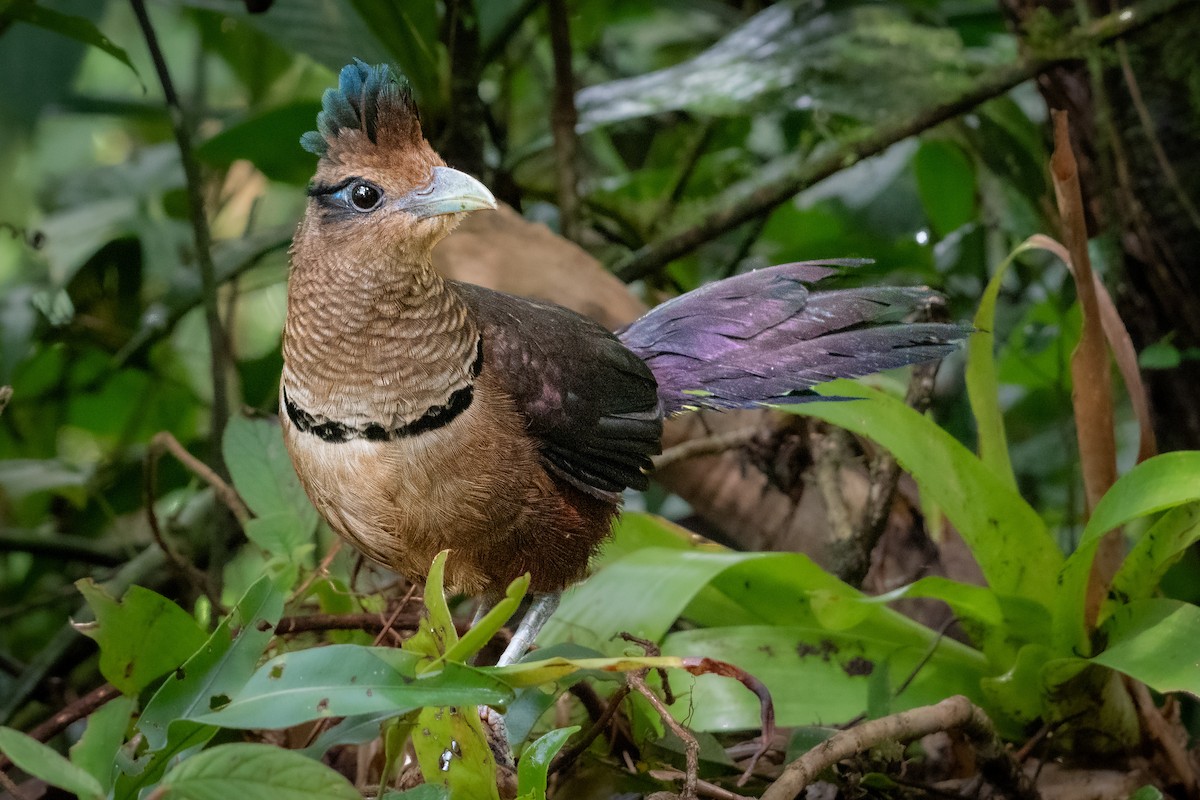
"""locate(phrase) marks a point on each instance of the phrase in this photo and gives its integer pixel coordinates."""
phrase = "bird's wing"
(590, 402)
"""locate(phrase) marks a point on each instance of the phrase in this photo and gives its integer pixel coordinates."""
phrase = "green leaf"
(96, 750)
(1157, 484)
(219, 668)
(141, 638)
(350, 680)
(946, 183)
(80, 29)
(43, 762)
(453, 751)
(426, 791)
(792, 660)
(482, 631)
(255, 772)
(1152, 554)
(1007, 537)
(983, 386)
(1154, 641)
(535, 763)
(281, 534)
(262, 471)
(257, 139)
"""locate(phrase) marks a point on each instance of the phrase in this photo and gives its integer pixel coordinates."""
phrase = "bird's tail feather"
(763, 337)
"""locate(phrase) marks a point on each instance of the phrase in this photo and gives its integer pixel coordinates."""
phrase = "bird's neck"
(375, 344)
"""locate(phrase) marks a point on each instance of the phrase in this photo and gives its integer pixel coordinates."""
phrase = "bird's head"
(378, 180)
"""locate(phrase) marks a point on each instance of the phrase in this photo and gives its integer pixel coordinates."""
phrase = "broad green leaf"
(482, 631)
(593, 612)
(535, 763)
(96, 750)
(43, 762)
(248, 771)
(262, 471)
(281, 534)
(80, 29)
(946, 183)
(258, 139)
(1155, 485)
(793, 660)
(1154, 641)
(141, 638)
(426, 791)
(1019, 694)
(220, 667)
(453, 751)
(1152, 554)
(1006, 536)
(349, 680)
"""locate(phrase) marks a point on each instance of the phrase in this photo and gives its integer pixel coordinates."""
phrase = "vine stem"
(201, 234)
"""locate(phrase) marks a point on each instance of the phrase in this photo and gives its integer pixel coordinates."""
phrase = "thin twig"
(637, 680)
(10, 786)
(200, 231)
(183, 566)
(703, 787)
(567, 757)
(563, 118)
(1170, 739)
(794, 175)
(706, 446)
(224, 492)
(73, 712)
(995, 763)
(61, 546)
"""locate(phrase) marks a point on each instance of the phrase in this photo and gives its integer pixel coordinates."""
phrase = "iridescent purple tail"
(763, 337)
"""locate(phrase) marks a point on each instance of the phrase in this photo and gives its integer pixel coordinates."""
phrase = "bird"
(421, 413)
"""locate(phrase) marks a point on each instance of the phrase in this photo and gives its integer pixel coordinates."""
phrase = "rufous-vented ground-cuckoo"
(424, 414)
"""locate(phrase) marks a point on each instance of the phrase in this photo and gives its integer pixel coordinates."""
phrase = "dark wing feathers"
(591, 403)
(764, 337)
(596, 402)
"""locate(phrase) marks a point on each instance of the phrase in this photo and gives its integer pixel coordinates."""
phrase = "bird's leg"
(485, 605)
(540, 610)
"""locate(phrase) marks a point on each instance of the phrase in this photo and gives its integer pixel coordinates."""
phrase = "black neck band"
(434, 417)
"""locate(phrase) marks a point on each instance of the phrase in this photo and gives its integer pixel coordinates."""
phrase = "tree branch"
(790, 175)
(953, 713)
(200, 232)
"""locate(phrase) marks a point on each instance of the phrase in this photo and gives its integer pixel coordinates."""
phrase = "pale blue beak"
(450, 192)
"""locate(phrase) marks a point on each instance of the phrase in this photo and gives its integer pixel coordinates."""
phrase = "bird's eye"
(365, 196)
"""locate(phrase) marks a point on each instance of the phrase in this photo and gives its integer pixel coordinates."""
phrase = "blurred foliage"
(682, 106)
